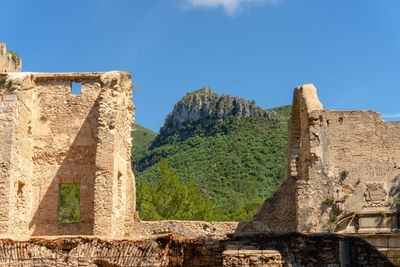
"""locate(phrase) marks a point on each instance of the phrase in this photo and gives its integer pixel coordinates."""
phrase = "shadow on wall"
(77, 167)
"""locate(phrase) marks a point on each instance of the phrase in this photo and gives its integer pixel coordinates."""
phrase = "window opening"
(76, 88)
(69, 209)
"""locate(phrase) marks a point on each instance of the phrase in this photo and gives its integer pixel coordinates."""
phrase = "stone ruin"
(343, 172)
(341, 163)
(343, 175)
(50, 136)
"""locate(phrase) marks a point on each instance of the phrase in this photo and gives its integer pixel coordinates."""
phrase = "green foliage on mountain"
(235, 162)
(142, 139)
(237, 167)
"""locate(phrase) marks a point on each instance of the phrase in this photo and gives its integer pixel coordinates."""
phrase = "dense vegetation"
(169, 198)
(142, 139)
(235, 164)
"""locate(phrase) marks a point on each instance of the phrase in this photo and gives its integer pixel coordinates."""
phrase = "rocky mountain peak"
(208, 108)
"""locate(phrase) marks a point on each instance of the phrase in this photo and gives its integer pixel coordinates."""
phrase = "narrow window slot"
(76, 88)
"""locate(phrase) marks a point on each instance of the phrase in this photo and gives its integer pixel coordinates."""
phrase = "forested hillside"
(142, 139)
(226, 153)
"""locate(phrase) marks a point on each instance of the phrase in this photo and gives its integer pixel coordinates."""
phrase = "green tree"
(171, 199)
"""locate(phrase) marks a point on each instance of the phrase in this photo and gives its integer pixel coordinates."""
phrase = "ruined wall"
(292, 249)
(9, 62)
(296, 249)
(354, 172)
(282, 210)
(188, 229)
(54, 137)
(64, 137)
(343, 172)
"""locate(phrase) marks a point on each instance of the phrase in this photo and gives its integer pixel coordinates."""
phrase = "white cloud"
(230, 6)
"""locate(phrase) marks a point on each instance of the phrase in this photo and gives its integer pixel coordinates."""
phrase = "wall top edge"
(74, 76)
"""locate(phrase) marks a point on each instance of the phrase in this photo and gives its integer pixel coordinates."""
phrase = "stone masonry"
(9, 62)
(49, 136)
(343, 172)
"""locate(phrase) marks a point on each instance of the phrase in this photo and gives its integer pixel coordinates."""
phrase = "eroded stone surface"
(343, 172)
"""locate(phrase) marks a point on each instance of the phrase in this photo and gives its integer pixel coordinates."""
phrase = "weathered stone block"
(9, 98)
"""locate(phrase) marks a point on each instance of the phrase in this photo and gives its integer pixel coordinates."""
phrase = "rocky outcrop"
(208, 108)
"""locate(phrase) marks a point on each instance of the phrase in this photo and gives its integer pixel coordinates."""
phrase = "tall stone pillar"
(113, 163)
(16, 154)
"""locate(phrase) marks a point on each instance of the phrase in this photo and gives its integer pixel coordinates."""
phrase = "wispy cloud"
(231, 6)
(391, 115)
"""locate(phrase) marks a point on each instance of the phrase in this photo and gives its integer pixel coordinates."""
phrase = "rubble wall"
(290, 249)
(188, 229)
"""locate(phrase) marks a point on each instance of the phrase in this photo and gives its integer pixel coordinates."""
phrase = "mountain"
(142, 139)
(204, 108)
(233, 150)
(208, 108)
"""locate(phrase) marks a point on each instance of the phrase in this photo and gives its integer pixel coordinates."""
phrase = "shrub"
(332, 218)
(329, 200)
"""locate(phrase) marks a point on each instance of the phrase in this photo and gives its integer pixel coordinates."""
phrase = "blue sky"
(254, 49)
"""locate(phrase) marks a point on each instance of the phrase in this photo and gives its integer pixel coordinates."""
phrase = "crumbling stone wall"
(9, 62)
(290, 249)
(52, 137)
(188, 229)
(297, 249)
(343, 172)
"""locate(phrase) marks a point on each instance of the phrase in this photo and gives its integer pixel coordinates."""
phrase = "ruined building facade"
(50, 136)
(343, 172)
